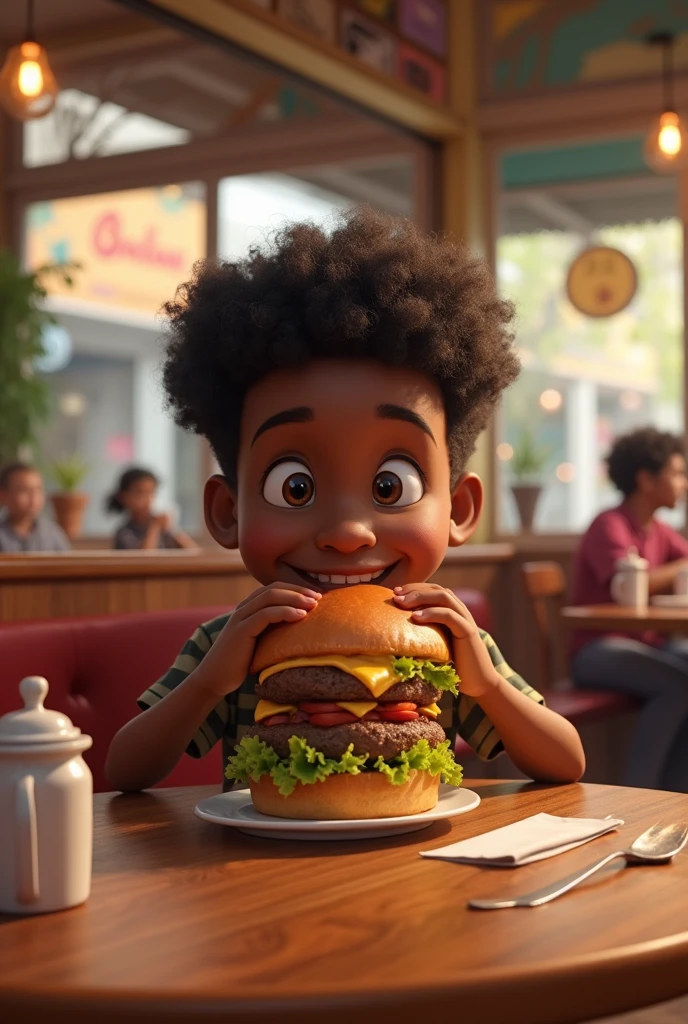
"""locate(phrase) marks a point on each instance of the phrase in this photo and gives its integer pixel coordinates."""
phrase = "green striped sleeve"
(190, 656)
(473, 724)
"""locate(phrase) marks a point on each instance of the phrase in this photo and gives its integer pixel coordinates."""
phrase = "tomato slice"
(319, 707)
(276, 720)
(398, 706)
(397, 716)
(299, 716)
(371, 716)
(340, 718)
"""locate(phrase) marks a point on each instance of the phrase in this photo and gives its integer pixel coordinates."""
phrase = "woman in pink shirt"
(649, 468)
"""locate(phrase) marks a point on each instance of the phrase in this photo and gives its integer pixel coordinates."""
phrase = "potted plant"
(24, 395)
(527, 463)
(68, 501)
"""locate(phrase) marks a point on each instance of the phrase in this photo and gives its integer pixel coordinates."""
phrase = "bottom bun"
(340, 797)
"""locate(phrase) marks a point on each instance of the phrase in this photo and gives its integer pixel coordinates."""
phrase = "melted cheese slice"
(357, 707)
(433, 710)
(265, 708)
(376, 673)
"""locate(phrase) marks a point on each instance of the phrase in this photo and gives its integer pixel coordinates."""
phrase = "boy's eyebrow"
(301, 414)
(400, 412)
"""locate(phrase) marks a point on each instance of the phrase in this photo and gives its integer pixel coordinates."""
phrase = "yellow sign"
(601, 281)
(134, 247)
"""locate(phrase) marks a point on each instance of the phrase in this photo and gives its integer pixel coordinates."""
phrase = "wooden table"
(190, 921)
(614, 617)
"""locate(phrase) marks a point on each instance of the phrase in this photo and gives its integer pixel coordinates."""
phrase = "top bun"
(362, 619)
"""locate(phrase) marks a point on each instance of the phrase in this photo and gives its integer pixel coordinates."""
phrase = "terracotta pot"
(69, 511)
(526, 497)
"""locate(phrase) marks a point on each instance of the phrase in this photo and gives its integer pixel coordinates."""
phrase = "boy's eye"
(398, 482)
(289, 485)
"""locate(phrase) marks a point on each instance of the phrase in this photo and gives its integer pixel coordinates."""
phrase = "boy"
(22, 527)
(342, 381)
(649, 469)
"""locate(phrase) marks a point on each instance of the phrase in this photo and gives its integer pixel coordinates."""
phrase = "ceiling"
(53, 17)
(100, 49)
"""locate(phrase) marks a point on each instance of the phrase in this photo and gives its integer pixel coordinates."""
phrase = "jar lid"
(35, 723)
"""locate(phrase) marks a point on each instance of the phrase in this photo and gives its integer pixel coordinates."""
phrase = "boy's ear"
(220, 510)
(466, 506)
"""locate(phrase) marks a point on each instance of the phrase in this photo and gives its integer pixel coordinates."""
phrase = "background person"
(649, 468)
(143, 529)
(22, 527)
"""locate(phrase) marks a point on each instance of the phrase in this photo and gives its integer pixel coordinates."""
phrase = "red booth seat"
(98, 666)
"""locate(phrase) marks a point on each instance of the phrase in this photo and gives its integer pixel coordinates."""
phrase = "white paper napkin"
(525, 841)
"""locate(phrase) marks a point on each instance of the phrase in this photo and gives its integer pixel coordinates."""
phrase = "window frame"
(496, 148)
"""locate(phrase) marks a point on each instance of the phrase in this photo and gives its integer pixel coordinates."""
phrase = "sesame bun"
(362, 619)
(348, 797)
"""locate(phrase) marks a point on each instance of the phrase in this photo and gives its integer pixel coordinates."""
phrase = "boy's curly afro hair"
(373, 287)
(646, 448)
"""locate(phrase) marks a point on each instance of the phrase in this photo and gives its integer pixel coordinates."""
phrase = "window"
(132, 250)
(586, 380)
(253, 205)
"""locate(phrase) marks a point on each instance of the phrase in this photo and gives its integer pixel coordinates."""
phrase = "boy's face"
(667, 487)
(23, 497)
(343, 477)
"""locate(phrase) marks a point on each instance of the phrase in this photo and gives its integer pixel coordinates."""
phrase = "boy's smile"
(343, 477)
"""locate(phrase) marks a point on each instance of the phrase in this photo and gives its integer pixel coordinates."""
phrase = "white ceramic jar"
(46, 808)
(631, 582)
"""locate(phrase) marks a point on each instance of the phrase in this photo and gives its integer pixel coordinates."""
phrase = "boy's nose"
(346, 537)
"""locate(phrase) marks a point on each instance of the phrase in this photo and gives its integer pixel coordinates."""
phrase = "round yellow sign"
(601, 281)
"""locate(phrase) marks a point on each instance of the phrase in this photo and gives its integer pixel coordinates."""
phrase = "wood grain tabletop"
(190, 921)
(614, 616)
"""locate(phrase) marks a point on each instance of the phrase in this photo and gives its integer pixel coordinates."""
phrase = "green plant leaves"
(25, 400)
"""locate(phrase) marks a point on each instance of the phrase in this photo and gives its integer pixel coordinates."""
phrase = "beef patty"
(371, 738)
(324, 682)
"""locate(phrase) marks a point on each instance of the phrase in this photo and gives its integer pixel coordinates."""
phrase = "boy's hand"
(226, 664)
(432, 603)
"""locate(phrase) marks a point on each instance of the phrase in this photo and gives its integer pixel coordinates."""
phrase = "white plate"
(236, 810)
(670, 600)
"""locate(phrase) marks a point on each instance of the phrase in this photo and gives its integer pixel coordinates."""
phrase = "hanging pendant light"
(27, 84)
(666, 144)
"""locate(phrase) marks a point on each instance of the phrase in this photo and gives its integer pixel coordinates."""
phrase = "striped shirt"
(234, 714)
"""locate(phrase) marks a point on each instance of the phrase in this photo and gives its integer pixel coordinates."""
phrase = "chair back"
(545, 585)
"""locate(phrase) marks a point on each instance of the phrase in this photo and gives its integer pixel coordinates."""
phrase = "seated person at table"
(649, 469)
(22, 525)
(341, 379)
(144, 529)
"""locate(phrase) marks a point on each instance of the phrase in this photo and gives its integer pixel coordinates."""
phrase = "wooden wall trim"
(218, 562)
(324, 63)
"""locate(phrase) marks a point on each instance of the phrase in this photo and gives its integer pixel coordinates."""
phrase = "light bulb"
(669, 138)
(30, 79)
(27, 85)
(665, 146)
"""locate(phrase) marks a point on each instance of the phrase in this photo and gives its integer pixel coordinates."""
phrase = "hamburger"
(346, 720)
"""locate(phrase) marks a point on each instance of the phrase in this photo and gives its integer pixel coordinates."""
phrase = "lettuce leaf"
(254, 759)
(444, 677)
(422, 757)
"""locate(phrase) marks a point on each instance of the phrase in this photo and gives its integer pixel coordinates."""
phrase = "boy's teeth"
(365, 578)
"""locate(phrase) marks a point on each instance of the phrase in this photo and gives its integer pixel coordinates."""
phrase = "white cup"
(681, 582)
(630, 587)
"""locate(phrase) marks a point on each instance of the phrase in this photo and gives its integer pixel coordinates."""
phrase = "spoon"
(656, 846)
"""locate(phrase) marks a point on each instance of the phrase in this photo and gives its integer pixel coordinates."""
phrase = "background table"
(193, 921)
(611, 617)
